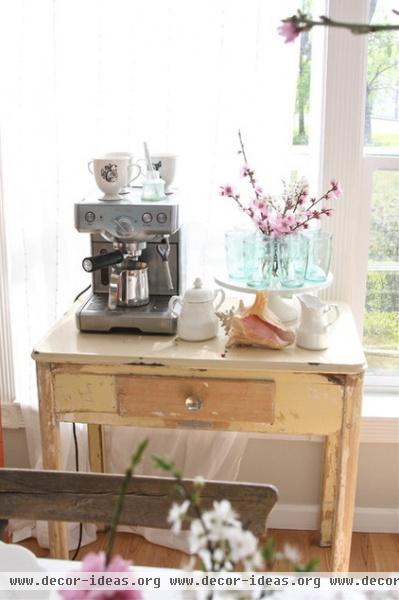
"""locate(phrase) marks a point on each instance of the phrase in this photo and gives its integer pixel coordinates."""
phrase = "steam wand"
(164, 251)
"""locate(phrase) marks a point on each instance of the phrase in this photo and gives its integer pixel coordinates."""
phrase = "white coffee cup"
(165, 164)
(132, 165)
(111, 175)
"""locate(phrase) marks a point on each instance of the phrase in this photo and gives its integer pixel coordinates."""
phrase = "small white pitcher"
(197, 320)
(316, 318)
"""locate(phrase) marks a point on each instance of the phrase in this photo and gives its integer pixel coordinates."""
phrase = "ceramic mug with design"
(111, 175)
(131, 174)
(165, 164)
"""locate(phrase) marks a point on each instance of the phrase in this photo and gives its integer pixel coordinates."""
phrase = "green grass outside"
(381, 330)
(389, 140)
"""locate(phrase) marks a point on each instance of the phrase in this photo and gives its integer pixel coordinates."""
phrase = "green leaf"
(138, 455)
(268, 551)
(311, 565)
(163, 464)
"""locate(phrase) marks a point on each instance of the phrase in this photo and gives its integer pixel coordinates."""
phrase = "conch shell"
(257, 326)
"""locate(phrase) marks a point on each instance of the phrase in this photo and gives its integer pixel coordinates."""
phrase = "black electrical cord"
(75, 441)
(82, 292)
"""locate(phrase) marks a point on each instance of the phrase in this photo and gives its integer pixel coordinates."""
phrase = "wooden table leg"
(329, 488)
(96, 448)
(347, 473)
(51, 448)
(95, 439)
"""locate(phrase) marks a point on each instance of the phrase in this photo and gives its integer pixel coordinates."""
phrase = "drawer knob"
(193, 403)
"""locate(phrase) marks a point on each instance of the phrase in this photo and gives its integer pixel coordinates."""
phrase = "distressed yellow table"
(157, 381)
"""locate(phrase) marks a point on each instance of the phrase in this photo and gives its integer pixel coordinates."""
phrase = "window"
(381, 139)
(381, 324)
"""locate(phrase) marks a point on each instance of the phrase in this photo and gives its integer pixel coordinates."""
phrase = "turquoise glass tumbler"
(234, 253)
(320, 251)
(292, 255)
(259, 258)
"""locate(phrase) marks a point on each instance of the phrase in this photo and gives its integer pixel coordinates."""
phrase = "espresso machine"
(135, 263)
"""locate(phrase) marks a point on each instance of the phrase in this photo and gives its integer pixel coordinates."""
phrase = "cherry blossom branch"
(247, 171)
(293, 26)
(136, 459)
(192, 499)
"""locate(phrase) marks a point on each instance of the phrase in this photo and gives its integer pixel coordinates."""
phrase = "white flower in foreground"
(223, 511)
(177, 514)
(219, 520)
(205, 556)
(243, 544)
(291, 553)
(199, 481)
(197, 536)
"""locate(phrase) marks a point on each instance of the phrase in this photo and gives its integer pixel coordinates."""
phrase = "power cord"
(82, 292)
(75, 441)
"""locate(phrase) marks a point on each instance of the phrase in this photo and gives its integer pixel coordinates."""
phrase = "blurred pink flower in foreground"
(289, 30)
(95, 563)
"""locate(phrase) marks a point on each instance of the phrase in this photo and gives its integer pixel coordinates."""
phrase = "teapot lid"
(197, 293)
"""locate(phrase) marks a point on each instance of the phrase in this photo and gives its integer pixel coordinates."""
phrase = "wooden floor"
(371, 552)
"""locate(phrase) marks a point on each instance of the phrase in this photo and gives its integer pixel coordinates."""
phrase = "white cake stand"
(281, 299)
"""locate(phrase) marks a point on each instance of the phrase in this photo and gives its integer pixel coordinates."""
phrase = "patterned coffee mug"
(132, 164)
(111, 175)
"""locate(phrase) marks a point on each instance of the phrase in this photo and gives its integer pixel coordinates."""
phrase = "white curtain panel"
(80, 77)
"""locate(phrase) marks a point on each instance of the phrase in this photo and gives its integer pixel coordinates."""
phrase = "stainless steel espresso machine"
(135, 263)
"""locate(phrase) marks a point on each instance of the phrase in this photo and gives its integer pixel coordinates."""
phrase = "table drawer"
(208, 403)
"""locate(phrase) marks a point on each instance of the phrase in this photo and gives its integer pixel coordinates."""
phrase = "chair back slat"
(91, 497)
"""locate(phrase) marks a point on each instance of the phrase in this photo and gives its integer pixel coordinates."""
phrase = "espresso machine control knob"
(162, 218)
(146, 218)
(124, 227)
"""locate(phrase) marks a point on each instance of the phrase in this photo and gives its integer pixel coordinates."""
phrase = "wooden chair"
(91, 497)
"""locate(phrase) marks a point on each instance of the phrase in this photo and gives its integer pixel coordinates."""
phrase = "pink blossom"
(283, 224)
(290, 219)
(289, 30)
(336, 191)
(226, 190)
(259, 205)
(327, 211)
(96, 563)
(258, 189)
(246, 171)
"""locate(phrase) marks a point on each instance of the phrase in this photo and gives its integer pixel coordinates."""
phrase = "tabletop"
(64, 343)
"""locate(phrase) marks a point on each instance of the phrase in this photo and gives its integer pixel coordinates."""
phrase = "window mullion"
(342, 124)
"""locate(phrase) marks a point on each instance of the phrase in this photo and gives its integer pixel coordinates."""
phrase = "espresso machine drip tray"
(154, 317)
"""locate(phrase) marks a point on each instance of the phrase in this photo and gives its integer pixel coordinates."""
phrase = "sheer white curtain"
(82, 77)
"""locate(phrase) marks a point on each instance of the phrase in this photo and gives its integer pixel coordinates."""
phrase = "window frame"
(342, 66)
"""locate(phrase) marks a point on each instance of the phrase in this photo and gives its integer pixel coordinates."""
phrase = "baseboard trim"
(302, 516)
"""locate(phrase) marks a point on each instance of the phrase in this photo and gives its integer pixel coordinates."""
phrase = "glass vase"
(292, 259)
(234, 253)
(259, 259)
(320, 249)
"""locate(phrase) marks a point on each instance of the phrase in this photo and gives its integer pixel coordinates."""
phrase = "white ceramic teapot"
(316, 318)
(197, 320)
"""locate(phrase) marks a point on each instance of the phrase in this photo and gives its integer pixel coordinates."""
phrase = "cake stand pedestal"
(281, 300)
